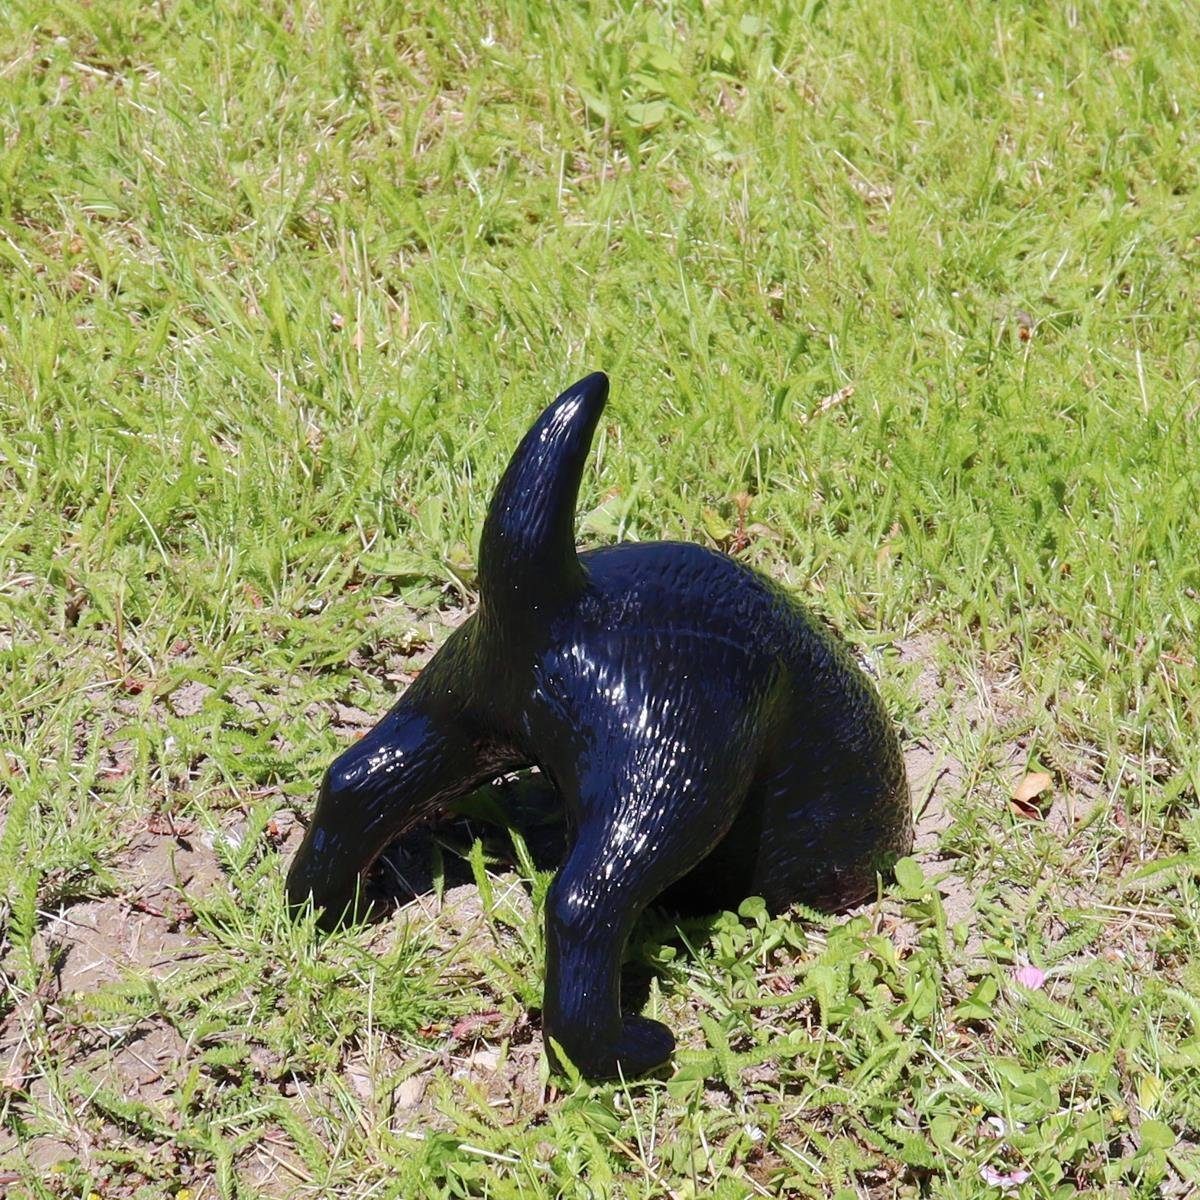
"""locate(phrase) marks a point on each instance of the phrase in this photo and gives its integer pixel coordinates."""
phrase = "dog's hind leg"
(641, 826)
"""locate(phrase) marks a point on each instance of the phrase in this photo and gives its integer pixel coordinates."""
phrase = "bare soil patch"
(167, 862)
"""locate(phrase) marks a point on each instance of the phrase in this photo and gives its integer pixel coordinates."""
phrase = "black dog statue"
(705, 733)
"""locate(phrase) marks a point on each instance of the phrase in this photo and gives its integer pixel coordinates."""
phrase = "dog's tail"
(527, 552)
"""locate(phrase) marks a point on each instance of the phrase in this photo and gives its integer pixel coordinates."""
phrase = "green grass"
(280, 287)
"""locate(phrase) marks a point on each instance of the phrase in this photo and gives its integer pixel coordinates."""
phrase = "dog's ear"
(528, 544)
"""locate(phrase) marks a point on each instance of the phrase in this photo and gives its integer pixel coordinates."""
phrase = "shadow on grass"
(434, 858)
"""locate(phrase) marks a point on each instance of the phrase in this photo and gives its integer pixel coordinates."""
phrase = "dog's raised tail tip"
(593, 386)
(528, 543)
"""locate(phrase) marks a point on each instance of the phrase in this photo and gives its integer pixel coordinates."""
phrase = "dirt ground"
(165, 866)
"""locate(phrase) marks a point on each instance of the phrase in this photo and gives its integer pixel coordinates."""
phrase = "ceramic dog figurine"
(705, 733)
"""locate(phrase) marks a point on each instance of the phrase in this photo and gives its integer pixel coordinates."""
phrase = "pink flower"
(1006, 1181)
(1030, 977)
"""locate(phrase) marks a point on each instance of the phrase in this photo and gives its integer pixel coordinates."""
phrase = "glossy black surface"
(705, 733)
